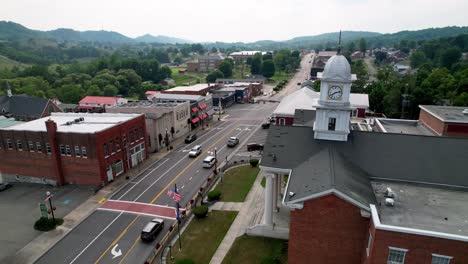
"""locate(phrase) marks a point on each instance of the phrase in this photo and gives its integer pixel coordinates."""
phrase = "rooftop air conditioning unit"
(389, 202)
(465, 111)
(389, 193)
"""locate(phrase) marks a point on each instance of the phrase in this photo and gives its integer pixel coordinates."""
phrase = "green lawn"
(189, 78)
(203, 236)
(237, 182)
(253, 250)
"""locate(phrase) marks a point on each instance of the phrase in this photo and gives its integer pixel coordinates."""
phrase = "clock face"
(335, 92)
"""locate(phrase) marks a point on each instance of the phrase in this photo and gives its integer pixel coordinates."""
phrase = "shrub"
(214, 195)
(253, 162)
(47, 224)
(200, 211)
(270, 260)
(184, 261)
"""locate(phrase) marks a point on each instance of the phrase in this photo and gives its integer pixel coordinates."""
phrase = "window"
(331, 123)
(106, 152)
(77, 151)
(117, 144)
(282, 121)
(111, 145)
(396, 255)
(124, 141)
(9, 144)
(68, 150)
(141, 133)
(31, 146)
(119, 167)
(62, 150)
(440, 259)
(48, 149)
(369, 243)
(38, 147)
(19, 145)
(131, 136)
(84, 154)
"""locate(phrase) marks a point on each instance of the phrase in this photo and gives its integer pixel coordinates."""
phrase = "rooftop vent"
(465, 111)
(389, 193)
(291, 194)
(389, 202)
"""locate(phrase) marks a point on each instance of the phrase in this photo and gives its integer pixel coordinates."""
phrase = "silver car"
(195, 151)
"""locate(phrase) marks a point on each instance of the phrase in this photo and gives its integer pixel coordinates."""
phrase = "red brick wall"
(419, 247)
(84, 171)
(431, 122)
(456, 130)
(327, 230)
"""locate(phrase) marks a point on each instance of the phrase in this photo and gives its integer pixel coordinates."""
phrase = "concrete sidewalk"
(250, 214)
(42, 243)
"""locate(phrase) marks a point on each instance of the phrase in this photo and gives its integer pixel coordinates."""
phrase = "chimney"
(9, 94)
(56, 159)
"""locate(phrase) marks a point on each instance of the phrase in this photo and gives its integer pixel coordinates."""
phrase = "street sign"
(43, 209)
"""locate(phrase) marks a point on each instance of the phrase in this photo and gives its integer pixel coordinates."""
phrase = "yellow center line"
(131, 248)
(152, 201)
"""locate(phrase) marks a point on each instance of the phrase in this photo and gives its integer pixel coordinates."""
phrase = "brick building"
(449, 121)
(244, 55)
(197, 89)
(205, 63)
(73, 148)
(364, 197)
(99, 103)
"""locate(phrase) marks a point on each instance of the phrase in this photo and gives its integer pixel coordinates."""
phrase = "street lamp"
(49, 197)
(216, 160)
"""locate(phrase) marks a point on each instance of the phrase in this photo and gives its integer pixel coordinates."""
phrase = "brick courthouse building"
(73, 148)
(365, 197)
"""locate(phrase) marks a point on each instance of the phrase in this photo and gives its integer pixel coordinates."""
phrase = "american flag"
(175, 195)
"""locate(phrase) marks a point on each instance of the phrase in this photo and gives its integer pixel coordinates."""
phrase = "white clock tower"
(333, 112)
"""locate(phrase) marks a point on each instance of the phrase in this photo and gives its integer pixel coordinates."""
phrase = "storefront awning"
(203, 116)
(194, 109)
(202, 106)
(195, 120)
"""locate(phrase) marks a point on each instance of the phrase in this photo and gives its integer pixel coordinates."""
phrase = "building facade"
(161, 119)
(450, 121)
(73, 148)
(99, 103)
(206, 63)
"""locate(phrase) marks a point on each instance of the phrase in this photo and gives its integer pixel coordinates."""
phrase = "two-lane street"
(111, 234)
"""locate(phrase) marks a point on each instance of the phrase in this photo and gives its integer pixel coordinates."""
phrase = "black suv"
(190, 138)
(152, 229)
(254, 146)
(266, 125)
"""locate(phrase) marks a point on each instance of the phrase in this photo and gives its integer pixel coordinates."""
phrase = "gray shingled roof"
(320, 165)
(23, 105)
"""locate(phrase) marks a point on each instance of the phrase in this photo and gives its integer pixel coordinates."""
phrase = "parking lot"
(19, 209)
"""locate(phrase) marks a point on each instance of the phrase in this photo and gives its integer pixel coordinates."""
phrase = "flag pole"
(178, 218)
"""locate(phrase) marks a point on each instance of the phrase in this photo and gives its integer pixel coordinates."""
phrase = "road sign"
(43, 209)
(115, 252)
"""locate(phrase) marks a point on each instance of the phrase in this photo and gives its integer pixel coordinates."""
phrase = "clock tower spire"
(333, 112)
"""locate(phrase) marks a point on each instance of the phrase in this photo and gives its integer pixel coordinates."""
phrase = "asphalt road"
(111, 230)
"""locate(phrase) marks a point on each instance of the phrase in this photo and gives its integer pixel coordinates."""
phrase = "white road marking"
(143, 178)
(115, 252)
(190, 178)
(182, 187)
(90, 243)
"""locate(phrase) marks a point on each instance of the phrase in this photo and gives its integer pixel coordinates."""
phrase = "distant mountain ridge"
(11, 31)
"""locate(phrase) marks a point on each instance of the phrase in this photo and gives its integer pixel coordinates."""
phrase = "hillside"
(161, 39)
(11, 31)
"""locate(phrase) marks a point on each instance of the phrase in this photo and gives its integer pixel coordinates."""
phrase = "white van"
(209, 161)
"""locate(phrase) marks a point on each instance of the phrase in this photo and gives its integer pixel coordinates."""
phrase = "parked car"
(254, 146)
(209, 161)
(232, 142)
(152, 229)
(195, 151)
(266, 125)
(4, 186)
(190, 138)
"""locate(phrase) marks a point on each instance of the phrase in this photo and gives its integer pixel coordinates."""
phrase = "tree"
(268, 68)
(256, 64)
(226, 68)
(380, 56)
(450, 57)
(94, 90)
(362, 45)
(351, 46)
(267, 56)
(178, 59)
(212, 76)
(417, 59)
(110, 90)
(70, 93)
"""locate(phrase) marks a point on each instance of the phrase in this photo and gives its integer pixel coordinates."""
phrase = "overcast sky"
(235, 20)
